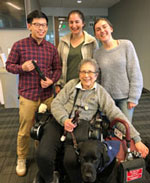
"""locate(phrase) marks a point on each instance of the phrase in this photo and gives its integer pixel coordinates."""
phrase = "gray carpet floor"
(8, 131)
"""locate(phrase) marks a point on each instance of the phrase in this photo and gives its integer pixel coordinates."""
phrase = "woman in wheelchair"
(86, 96)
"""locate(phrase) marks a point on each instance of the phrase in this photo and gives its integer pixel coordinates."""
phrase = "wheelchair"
(101, 129)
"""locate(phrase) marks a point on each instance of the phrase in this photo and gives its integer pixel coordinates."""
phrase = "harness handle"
(128, 138)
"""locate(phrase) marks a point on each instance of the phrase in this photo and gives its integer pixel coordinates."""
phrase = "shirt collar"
(79, 86)
(35, 42)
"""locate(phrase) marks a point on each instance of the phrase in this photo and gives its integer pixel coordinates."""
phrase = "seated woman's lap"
(50, 140)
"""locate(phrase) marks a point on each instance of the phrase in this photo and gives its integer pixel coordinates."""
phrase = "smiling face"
(87, 75)
(76, 23)
(38, 28)
(103, 31)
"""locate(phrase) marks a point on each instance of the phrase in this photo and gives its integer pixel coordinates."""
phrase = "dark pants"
(72, 165)
(49, 146)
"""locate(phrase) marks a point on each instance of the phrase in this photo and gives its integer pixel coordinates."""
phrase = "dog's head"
(92, 156)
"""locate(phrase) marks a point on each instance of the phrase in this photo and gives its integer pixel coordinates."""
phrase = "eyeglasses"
(90, 73)
(38, 25)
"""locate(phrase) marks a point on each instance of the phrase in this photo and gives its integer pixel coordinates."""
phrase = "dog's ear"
(103, 151)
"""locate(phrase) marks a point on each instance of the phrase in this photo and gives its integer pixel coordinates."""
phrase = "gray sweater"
(120, 71)
(88, 102)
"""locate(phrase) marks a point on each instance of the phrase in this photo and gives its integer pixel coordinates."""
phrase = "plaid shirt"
(47, 59)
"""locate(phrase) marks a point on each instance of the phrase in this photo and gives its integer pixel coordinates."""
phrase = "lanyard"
(75, 99)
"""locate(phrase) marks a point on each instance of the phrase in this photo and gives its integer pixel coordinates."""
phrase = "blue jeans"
(123, 105)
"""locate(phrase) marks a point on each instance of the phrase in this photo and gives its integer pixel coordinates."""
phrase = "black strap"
(75, 119)
(75, 98)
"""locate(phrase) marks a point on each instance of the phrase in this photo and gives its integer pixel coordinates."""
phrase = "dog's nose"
(89, 177)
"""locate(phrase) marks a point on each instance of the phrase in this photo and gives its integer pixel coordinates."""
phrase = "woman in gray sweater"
(120, 70)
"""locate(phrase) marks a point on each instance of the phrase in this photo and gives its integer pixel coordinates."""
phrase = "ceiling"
(74, 4)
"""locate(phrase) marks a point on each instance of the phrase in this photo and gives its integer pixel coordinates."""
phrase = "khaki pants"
(27, 109)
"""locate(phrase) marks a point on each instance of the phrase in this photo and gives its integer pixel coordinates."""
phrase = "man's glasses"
(38, 25)
(90, 73)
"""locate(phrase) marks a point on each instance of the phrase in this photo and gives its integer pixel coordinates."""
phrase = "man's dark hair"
(36, 14)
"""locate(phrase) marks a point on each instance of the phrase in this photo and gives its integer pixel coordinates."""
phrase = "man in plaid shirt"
(32, 89)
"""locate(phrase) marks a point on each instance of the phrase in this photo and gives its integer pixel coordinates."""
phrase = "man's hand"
(28, 66)
(47, 83)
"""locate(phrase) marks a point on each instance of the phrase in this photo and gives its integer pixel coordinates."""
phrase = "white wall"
(131, 21)
(9, 37)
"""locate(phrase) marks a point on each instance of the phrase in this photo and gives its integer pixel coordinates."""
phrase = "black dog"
(94, 162)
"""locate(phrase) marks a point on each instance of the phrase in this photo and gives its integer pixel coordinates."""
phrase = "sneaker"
(21, 167)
